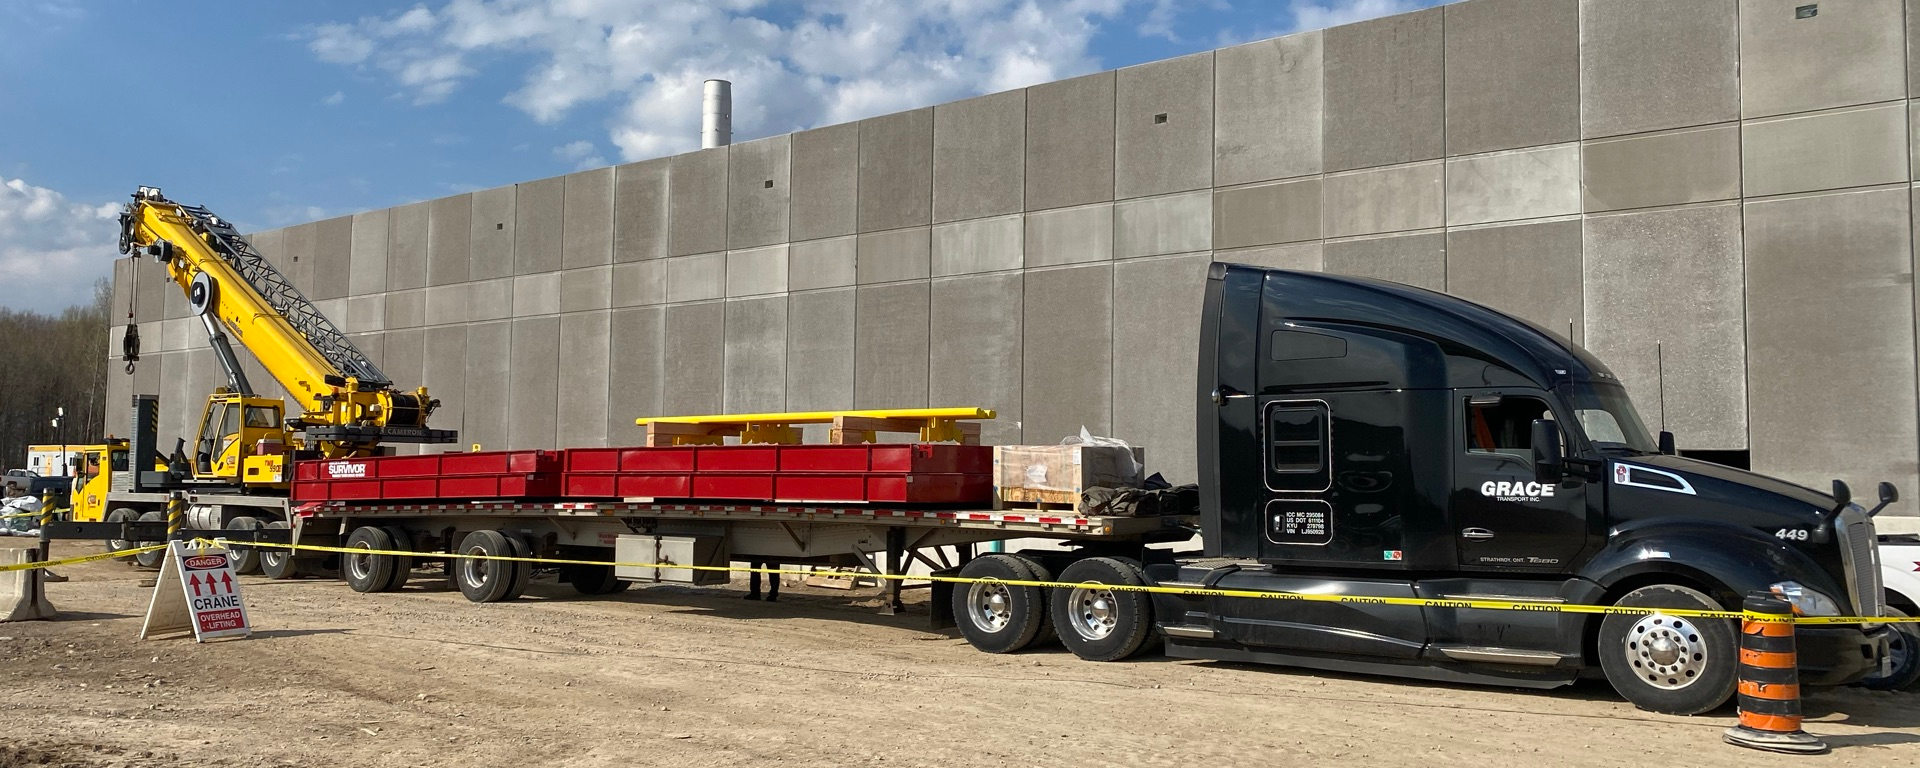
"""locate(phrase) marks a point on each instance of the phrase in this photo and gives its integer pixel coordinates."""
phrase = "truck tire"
(245, 559)
(1103, 624)
(1037, 571)
(483, 581)
(151, 560)
(1903, 647)
(594, 579)
(1667, 664)
(995, 617)
(402, 566)
(277, 563)
(520, 571)
(368, 573)
(121, 515)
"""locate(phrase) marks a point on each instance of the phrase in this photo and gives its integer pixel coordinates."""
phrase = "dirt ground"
(694, 677)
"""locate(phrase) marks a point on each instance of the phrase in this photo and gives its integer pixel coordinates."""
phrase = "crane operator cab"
(243, 440)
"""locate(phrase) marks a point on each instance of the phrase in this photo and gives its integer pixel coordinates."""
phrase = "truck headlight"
(1806, 602)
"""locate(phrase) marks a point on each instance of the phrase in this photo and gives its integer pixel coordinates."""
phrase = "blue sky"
(278, 113)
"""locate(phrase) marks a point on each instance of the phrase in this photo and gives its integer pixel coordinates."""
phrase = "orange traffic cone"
(1770, 681)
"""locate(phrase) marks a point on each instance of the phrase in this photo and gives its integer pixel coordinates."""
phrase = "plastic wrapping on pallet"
(1067, 470)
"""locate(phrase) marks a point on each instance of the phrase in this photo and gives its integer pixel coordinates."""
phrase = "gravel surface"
(693, 677)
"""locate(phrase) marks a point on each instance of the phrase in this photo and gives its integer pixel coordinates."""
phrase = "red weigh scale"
(894, 473)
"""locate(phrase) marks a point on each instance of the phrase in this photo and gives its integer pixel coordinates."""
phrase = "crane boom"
(348, 404)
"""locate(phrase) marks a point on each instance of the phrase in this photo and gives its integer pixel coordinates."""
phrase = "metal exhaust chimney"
(716, 114)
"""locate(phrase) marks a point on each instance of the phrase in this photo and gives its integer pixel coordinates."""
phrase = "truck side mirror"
(1549, 466)
(1888, 495)
(1842, 495)
(1666, 443)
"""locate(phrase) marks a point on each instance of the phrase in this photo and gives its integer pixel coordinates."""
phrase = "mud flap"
(940, 602)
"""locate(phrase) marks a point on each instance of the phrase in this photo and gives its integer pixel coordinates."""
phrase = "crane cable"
(130, 343)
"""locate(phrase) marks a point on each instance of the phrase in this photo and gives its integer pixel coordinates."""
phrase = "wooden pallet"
(1035, 498)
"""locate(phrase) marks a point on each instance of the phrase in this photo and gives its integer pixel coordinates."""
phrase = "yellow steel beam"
(933, 424)
(821, 417)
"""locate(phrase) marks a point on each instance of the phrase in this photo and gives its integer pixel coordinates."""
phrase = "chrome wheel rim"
(1094, 612)
(1899, 648)
(990, 605)
(360, 566)
(1666, 652)
(474, 571)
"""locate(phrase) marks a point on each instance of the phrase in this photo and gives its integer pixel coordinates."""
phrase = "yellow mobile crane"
(238, 473)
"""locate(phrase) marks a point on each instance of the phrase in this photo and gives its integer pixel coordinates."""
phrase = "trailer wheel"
(402, 566)
(151, 560)
(279, 563)
(1902, 647)
(368, 573)
(245, 559)
(997, 617)
(1669, 664)
(1037, 571)
(593, 579)
(521, 571)
(1098, 623)
(484, 581)
(121, 515)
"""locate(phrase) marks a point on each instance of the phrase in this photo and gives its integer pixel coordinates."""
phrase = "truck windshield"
(1608, 418)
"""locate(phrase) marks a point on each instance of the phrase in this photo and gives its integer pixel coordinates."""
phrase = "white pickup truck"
(1900, 576)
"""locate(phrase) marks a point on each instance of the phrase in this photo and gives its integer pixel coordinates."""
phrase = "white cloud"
(336, 99)
(794, 64)
(1333, 13)
(52, 249)
(582, 154)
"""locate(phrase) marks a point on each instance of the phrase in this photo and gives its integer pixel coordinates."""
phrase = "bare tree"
(49, 362)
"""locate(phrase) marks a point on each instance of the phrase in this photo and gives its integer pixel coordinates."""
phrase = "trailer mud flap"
(940, 601)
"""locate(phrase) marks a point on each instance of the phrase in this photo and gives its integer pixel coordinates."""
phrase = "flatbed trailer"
(885, 540)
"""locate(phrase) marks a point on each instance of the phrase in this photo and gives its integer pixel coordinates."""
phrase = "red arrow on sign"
(193, 580)
(226, 580)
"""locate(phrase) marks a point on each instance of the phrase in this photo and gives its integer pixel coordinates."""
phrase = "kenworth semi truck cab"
(1366, 438)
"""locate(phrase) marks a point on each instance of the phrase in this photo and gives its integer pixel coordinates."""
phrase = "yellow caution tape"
(82, 558)
(1490, 605)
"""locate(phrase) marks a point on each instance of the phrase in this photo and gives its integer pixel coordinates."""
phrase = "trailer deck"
(1037, 523)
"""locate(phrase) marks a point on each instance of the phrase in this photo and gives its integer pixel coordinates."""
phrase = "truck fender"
(1725, 557)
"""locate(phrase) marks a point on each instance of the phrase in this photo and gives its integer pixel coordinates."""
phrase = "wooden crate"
(1054, 476)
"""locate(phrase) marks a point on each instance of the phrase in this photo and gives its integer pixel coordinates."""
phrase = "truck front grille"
(1860, 555)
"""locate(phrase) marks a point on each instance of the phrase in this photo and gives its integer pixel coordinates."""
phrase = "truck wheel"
(245, 559)
(594, 579)
(1100, 624)
(151, 560)
(1669, 664)
(402, 566)
(121, 515)
(1037, 571)
(997, 617)
(368, 573)
(279, 563)
(521, 571)
(1902, 646)
(483, 581)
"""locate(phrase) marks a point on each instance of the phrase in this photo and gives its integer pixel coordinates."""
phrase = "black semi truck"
(1357, 438)
(1370, 439)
